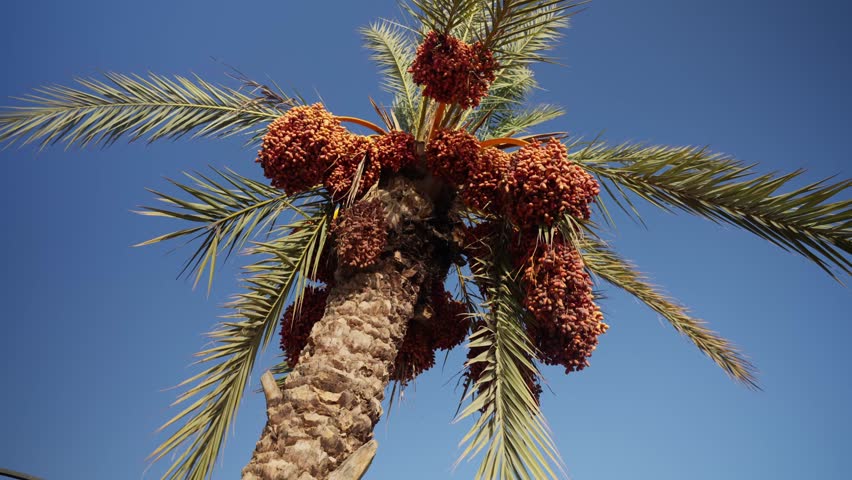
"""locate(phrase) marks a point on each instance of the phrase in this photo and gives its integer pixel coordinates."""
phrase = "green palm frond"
(804, 220)
(542, 33)
(213, 396)
(504, 100)
(393, 51)
(156, 107)
(606, 264)
(518, 31)
(521, 29)
(230, 210)
(501, 111)
(510, 432)
(521, 121)
(443, 15)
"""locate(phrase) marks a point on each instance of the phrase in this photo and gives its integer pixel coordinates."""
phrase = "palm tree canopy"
(813, 221)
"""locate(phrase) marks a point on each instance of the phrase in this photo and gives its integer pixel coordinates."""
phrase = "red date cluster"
(534, 186)
(295, 150)
(452, 70)
(567, 322)
(350, 162)
(543, 185)
(446, 328)
(307, 146)
(295, 329)
(394, 151)
(450, 154)
(360, 234)
(484, 189)
(563, 321)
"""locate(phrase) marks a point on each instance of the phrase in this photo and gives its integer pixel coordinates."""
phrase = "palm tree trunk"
(333, 398)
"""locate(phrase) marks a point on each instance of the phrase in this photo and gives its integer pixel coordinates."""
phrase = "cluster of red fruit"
(544, 185)
(564, 323)
(559, 297)
(534, 186)
(452, 70)
(308, 146)
(360, 234)
(445, 328)
(295, 329)
(478, 174)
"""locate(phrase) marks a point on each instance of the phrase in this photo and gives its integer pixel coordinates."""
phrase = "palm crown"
(453, 174)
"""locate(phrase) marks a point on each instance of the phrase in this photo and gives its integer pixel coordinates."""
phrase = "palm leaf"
(518, 31)
(805, 220)
(393, 51)
(501, 112)
(443, 15)
(521, 29)
(517, 121)
(156, 107)
(510, 432)
(229, 210)
(213, 396)
(504, 100)
(606, 264)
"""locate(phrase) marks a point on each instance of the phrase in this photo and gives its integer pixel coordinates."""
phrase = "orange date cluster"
(307, 146)
(453, 71)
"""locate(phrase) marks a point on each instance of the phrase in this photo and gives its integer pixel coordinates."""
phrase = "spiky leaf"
(393, 51)
(510, 432)
(807, 220)
(155, 107)
(229, 210)
(213, 396)
(602, 261)
(443, 16)
(520, 31)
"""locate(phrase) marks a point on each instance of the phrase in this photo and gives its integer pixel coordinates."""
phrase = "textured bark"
(356, 466)
(333, 398)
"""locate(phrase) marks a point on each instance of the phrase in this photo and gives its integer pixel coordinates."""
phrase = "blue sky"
(95, 331)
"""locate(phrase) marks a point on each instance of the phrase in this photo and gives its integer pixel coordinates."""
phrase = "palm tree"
(353, 241)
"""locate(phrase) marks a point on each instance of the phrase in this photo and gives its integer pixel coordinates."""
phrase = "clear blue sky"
(94, 331)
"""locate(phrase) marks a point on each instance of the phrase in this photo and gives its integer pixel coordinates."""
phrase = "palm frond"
(601, 260)
(156, 107)
(806, 220)
(520, 29)
(520, 121)
(229, 210)
(504, 100)
(443, 15)
(510, 432)
(393, 51)
(213, 396)
(501, 112)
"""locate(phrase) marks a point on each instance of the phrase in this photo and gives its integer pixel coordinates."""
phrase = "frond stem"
(363, 123)
(436, 122)
(498, 142)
